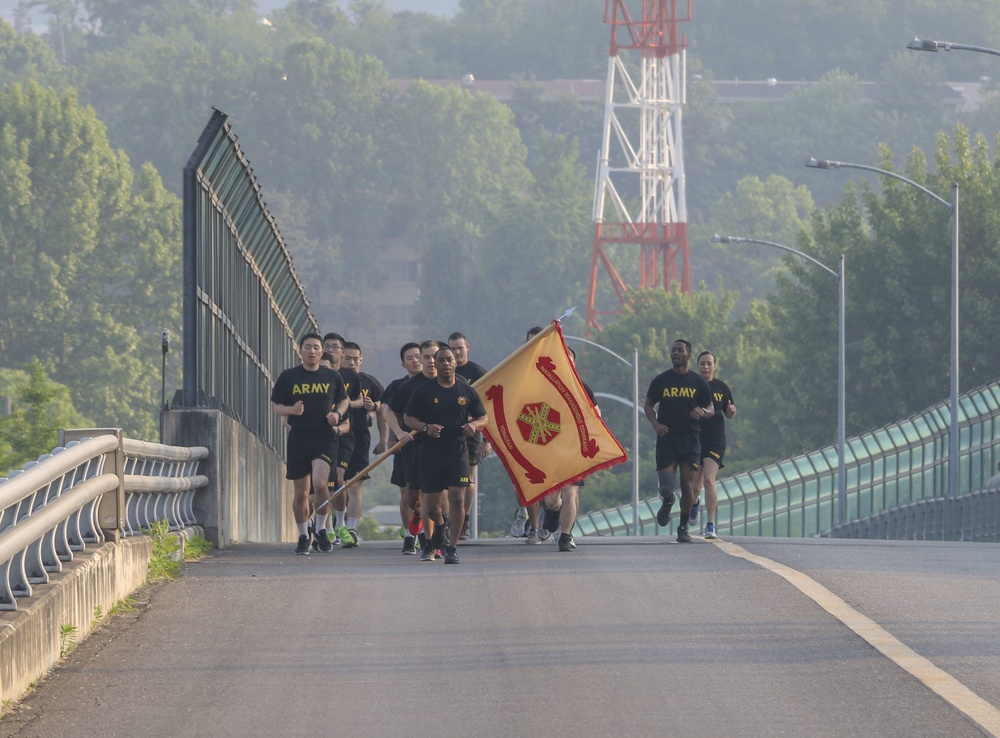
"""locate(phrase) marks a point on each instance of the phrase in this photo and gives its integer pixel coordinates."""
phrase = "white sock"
(339, 515)
(303, 528)
(321, 521)
(352, 523)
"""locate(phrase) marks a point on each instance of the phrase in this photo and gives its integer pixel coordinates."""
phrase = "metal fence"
(897, 480)
(87, 492)
(244, 306)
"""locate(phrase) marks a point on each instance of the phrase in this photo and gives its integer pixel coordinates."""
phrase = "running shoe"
(532, 536)
(322, 542)
(450, 555)
(410, 546)
(465, 535)
(428, 553)
(303, 548)
(663, 514)
(520, 524)
(312, 537)
(352, 533)
(566, 542)
(693, 517)
(347, 537)
(682, 534)
(416, 525)
(543, 535)
(710, 532)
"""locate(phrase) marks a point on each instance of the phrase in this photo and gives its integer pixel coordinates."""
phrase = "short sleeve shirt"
(450, 407)
(713, 430)
(675, 396)
(320, 391)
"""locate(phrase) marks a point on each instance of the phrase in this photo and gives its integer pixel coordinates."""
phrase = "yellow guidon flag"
(541, 423)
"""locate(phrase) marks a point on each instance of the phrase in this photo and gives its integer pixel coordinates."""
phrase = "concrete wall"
(248, 498)
(99, 577)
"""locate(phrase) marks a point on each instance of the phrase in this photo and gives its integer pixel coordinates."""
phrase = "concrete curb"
(97, 578)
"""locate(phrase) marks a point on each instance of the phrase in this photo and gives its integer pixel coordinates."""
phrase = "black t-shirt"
(471, 371)
(390, 389)
(397, 403)
(714, 429)
(450, 407)
(370, 387)
(320, 392)
(676, 395)
(352, 382)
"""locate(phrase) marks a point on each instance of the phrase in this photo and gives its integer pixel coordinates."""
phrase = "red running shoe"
(416, 524)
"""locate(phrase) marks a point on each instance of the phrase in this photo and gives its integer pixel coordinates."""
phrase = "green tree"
(773, 209)
(896, 243)
(40, 407)
(25, 57)
(89, 257)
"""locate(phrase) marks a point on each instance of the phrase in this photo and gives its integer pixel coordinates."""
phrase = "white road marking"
(937, 680)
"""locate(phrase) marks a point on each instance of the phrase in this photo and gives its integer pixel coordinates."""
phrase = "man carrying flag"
(448, 413)
(541, 423)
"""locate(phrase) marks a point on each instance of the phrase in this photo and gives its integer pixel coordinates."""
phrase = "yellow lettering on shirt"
(311, 388)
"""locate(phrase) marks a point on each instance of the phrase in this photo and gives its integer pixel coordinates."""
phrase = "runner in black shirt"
(313, 400)
(441, 409)
(397, 404)
(478, 447)
(334, 343)
(713, 442)
(676, 401)
(409, 356)
(361, 420)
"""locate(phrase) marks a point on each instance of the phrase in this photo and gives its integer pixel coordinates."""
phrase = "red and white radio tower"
(642, 144)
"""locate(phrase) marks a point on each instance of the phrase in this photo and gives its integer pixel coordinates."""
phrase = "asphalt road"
(629, 637)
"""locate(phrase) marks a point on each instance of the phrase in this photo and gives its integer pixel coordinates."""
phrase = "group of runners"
(329, 406)
(434, 419)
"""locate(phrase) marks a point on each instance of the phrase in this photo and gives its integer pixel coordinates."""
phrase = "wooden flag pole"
(361, 474)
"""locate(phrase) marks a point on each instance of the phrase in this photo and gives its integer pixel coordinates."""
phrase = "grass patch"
(67, 639)
(165, 563)
(123, 606)
(196, 548)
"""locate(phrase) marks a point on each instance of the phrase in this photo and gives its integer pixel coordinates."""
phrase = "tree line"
(98, 116)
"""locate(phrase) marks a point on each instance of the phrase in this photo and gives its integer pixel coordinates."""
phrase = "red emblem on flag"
(538, 423)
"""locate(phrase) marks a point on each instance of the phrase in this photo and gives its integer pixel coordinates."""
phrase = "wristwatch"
(425, 427)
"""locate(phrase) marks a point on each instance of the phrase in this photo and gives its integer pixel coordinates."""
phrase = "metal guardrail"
(897, 479)
(52, 507)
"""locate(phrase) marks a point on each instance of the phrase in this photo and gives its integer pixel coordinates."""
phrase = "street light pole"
(634, 364)
(841, 363)
(926, 44)
(953, 460)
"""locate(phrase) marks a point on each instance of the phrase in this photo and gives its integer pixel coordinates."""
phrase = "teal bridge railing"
(897, 480)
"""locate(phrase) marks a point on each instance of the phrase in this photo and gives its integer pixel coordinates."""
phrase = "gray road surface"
(628, 637)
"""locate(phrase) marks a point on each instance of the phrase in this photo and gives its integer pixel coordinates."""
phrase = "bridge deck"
(631, 637)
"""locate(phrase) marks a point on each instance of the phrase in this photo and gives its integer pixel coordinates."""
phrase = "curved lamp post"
(926, 44)
(634, 364)
(841, 365)
(953, 475)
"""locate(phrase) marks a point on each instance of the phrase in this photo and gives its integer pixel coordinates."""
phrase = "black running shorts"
(715, 452)
(683, 447)
(441, 469)
(304, 448)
